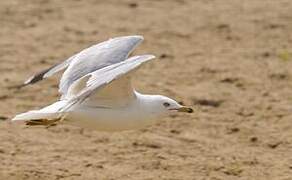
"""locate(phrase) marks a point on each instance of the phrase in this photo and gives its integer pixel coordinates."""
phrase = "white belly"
(109, 119)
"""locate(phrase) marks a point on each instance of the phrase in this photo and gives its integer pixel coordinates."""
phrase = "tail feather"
(34, 115)
(44, 116)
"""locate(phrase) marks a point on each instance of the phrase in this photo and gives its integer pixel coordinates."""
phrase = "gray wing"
(48, 72)
(106, 78)
(96, 57)
(91, 59)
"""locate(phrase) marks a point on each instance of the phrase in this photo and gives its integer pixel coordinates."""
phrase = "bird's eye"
(166, 104)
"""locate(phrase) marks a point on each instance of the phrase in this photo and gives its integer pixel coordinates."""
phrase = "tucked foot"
(43, 122)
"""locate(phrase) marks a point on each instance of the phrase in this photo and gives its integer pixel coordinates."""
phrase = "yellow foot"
(43, 122)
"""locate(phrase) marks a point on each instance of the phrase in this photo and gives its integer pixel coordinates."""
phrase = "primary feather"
(89, 60)
(96, 57)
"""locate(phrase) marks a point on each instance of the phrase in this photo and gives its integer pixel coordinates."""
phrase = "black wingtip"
(37, 77)
(18, 86)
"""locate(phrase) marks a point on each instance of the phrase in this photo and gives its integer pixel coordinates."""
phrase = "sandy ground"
(229, 59)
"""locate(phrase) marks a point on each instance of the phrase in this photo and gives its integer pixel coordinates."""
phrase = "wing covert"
(98, 57)
(103, 78)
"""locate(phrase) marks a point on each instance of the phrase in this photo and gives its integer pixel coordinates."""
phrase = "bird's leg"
(53, 123)
(57, 120)
(46, 122)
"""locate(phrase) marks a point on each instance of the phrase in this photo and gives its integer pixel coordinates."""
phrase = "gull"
(97, 93)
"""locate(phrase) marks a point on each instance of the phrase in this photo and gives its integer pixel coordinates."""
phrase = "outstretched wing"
(89, 60)
(108, 78)
(48, 72)
(96, 57)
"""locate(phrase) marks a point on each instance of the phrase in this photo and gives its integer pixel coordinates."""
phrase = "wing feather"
(102, 77)
(48, 72)
(89, 60)
(98, 57)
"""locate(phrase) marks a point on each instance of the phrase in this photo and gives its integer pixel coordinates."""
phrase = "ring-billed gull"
(96, 90)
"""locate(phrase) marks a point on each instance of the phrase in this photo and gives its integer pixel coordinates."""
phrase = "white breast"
(104, 119)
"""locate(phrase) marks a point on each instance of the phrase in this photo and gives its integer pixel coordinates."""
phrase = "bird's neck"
(147, 104)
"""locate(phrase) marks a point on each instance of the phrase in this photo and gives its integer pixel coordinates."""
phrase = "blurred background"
(229, 59)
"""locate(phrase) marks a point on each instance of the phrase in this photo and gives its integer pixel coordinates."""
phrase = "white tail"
(48, 112)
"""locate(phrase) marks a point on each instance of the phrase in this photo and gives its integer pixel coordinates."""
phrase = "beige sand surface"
(230, 59)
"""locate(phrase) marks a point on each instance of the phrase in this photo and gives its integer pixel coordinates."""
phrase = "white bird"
(96, 90)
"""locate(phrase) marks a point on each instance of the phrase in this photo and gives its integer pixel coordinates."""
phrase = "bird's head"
(164, 106)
